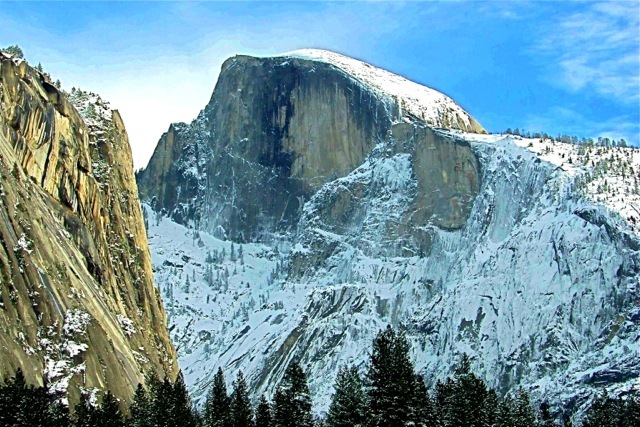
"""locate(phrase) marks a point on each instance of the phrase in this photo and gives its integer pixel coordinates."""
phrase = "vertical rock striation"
(77, 303)
(275, 131)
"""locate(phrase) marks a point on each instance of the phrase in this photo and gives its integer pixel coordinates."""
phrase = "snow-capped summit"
(416, 101)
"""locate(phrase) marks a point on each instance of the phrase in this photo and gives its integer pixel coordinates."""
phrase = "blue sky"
(557, 67)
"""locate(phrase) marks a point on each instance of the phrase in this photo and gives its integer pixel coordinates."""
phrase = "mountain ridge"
(283, 151)
(418, 102)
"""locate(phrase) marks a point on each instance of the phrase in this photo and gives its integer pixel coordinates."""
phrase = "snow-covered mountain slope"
(415, 100)
(352, 213)
(540, 285)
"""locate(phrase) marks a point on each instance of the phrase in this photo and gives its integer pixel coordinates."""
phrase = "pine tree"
(631, 410)
(442, 397)
(263, 413)
(140, 409)
(22, 404)
(463, 400)
(424, 411)
(109, 414)
(10, 397)
(490, 408)
(216, 407)
(240, 405)
(524, 415)
(391, 380)
(161, 399)
(348, 405)
(58, 414)
(292, 402)
(601, 413)
(85, 414)
(14, 50)
(34, 405)
(608, 412)
(546, 419)
(505, 413)
(182, 411)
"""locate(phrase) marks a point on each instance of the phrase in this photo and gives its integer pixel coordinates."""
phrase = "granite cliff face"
(275, 131)
(317, 199)
(77, 304)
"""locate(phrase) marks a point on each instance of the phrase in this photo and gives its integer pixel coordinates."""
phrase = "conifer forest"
(386, 393)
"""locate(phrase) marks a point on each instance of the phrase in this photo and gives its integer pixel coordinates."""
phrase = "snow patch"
(62, 353)
(126, 324)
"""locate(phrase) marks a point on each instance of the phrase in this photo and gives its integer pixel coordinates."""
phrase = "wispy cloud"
(596, 48)
(507, 10)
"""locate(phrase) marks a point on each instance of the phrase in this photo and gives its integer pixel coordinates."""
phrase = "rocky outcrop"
(77, 305)
(276, 130)
(392, 200)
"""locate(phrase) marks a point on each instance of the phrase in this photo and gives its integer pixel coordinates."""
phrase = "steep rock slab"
(275, 130)
(78, 305)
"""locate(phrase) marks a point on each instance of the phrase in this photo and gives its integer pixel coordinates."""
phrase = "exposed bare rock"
(77, 303)
(523, 254)
(275, 131)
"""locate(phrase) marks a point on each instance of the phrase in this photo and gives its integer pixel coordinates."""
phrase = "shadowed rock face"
(77, 301)
(275, 131)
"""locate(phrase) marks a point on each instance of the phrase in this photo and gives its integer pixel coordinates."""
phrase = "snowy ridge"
(540, 287)
(415, 100)
(607, 175)
(95, 111)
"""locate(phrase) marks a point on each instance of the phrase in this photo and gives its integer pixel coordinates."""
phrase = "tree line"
(569, 139)
(389, 394)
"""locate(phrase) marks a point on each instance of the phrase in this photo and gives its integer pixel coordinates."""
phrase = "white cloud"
(596, 49)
